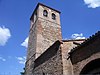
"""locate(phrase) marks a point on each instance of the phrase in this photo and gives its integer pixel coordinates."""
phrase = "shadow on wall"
(92, 68)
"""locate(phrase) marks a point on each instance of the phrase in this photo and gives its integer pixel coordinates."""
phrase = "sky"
(79, 19)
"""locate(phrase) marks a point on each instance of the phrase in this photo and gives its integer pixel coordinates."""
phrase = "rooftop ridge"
(73, 40)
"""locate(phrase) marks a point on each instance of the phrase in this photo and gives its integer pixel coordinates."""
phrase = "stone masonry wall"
(52, 66)
(44, 31)
(31, 48)
(47, 33)
(66, 47)
(85, 54)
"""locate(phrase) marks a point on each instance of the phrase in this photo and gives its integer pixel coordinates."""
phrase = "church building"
(49, 54)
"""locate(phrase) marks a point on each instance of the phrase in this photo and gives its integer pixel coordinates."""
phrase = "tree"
(23, 73)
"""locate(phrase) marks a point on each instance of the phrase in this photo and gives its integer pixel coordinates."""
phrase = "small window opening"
(45, 13)
(53, 16)
(35, 16)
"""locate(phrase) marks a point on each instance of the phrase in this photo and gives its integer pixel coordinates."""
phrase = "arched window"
(45, 13)
(53, 16)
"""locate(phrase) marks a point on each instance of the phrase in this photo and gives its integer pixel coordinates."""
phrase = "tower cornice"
(44, 6)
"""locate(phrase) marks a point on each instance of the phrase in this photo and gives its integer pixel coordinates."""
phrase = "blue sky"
(79, 19)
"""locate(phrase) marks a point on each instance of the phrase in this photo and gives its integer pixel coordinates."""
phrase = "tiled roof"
(86, 42)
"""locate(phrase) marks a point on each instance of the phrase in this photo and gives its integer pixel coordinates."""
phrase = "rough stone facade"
(50, 62)
(66, 48)
(82, 55)
(48, 54)
(44, 31)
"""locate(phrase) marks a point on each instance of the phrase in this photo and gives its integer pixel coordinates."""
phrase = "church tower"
(45, 29)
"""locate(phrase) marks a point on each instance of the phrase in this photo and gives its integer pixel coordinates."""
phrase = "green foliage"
(22, 73)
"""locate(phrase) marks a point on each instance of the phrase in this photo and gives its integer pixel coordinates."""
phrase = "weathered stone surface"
(47, 34)
(85, 54)
(66, 48)
(51, 66)
(44, 31)
(47, 56)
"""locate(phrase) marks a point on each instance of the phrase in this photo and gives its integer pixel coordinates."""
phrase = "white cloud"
(77, 36)
(65, 38)
(4, 35)
(25, 43)
(92, 3)
(21, 60)
(2, 59)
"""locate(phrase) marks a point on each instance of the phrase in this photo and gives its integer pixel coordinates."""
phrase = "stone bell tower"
(45, 29)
